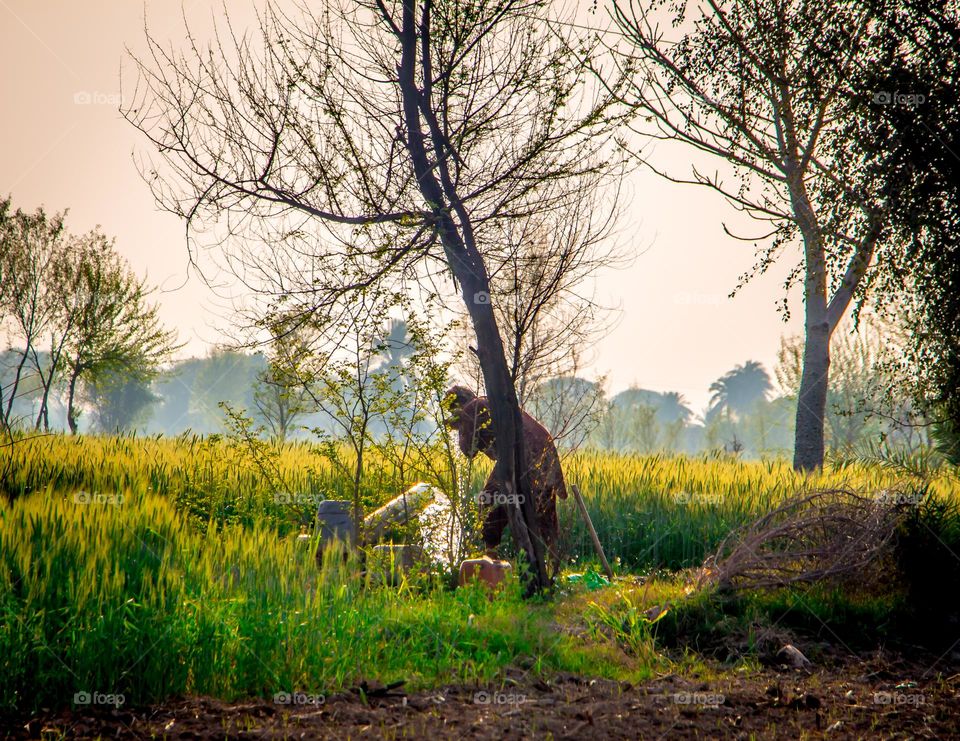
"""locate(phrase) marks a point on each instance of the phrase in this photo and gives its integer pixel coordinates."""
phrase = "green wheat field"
(154, 567)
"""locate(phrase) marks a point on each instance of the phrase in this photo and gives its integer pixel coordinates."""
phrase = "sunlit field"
(480, 369)
(158, 567)
(649, 511)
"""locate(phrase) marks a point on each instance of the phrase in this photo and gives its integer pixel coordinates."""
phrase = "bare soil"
(869, 697)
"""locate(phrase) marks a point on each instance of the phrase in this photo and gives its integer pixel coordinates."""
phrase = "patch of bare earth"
(864, 698)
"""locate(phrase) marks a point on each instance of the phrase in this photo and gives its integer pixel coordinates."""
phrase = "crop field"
(151, 568)
(372, 370)
(649, 511)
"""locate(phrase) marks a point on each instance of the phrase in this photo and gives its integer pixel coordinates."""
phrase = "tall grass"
(154, 567)
(649, 511)
(672, 511)
(129, 599)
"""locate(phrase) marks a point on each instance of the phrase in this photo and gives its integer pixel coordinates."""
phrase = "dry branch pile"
(815, 536)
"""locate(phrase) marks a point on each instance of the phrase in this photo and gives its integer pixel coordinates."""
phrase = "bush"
(928, 558)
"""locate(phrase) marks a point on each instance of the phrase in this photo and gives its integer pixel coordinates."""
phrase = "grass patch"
(179, 573)
(129, 599)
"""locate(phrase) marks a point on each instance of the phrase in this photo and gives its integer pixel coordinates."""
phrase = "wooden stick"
(593, 533)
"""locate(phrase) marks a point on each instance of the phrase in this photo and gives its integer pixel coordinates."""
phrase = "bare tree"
(30, 247)
(545, 304)
(541, 283)
(372, 141)
(765, 86)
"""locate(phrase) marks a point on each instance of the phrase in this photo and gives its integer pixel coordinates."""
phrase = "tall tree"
(364, 142)
(115, 334)
(31, 246)
(766, 87)
(738, 391)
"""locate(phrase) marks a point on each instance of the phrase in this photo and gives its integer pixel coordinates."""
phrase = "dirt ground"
(871, 697)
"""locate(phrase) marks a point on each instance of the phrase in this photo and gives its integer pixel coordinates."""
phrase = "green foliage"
(126, 598)
(738, 391)
(120, 402)
(907, 134)
(77, 299)
(650, 512)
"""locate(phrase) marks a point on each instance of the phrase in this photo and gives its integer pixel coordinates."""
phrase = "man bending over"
(470, 416)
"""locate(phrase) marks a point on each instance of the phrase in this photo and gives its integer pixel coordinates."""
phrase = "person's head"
(457, 397)
(470, 416)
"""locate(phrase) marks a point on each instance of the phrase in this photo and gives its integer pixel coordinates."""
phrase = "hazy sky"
(63, 144)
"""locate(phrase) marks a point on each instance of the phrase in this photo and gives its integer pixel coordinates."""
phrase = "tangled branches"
(816, 536)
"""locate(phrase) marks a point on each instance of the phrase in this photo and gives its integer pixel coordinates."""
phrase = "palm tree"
(738, 391)
(672, 407)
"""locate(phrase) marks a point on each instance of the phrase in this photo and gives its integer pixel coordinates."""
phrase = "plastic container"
(335, 520)
(489, 571)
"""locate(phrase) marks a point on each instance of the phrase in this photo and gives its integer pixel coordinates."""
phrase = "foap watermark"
(85, 497)
(697, 497)
(481, 297)
(298, 698)
(496, 498)
(703, 699)
(899, 498)
(284, 497)
(98, 698)
(904, 100)
(483, 697)
(898, 698)
(95, 97)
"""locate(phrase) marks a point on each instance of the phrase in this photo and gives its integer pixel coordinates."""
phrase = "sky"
(64, 145)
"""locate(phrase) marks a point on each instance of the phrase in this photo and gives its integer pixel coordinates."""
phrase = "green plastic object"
(591, 579)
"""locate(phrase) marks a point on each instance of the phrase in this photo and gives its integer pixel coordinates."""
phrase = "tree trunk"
(812, 399)
(8, 413)
(507, 423)
(467, 265)
(357, 478)
(814, 378)
(71, 412)
(43, 418)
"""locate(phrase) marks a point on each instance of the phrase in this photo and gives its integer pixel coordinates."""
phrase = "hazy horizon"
(67, 147)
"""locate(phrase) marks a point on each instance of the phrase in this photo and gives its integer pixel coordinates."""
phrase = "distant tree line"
(79, 328)
(869, 407)
(86, 350)
(751, 413)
